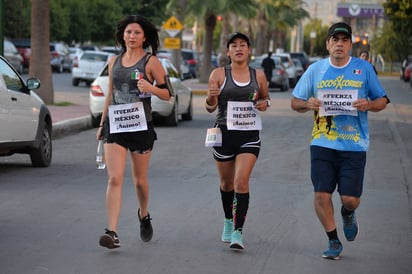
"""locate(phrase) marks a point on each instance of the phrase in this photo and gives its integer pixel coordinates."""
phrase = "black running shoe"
(146, 229)
(109, 239)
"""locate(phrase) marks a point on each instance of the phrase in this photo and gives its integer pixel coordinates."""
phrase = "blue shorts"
(331, 168)
(235, 142)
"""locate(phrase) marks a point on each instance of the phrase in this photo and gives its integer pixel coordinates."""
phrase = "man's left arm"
(375, 105)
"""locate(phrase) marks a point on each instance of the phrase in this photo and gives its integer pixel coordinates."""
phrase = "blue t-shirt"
(340, 132)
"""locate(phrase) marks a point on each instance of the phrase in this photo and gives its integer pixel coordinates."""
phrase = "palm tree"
(275, 18)
(40, 49)
(208, 11)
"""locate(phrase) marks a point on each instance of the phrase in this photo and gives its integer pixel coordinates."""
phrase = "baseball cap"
(340, 27)
(235, 35)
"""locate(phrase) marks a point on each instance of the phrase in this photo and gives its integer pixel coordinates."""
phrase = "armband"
(162, 86)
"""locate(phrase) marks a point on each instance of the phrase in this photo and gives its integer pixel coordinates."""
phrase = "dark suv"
(303, 58)
(190, 58)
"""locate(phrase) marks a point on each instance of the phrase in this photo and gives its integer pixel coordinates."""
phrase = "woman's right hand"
(213, 90)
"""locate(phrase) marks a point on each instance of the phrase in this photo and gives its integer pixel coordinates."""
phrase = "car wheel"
(188, 116)
(75, 82)
(42, 155)
(173, 118)
(96, 120)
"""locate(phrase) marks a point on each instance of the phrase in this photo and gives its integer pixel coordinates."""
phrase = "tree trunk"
(40, 49)
(223, 60)
(210, 23)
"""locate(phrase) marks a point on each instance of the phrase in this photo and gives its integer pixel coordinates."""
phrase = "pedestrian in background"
(340, 136)
(236, 86)
(268, 65)
(364, 55)
(131, 78)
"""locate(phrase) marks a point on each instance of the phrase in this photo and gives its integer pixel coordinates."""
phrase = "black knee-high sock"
(227, 202)
(240, 207)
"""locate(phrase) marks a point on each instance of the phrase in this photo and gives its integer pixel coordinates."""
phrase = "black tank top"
(125, 88)
(233, 92)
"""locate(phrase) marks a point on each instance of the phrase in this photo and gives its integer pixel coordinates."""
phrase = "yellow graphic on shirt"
(325, 127)
(339, 83)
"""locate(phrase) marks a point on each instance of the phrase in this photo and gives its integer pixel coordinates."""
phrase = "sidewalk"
(76, 117)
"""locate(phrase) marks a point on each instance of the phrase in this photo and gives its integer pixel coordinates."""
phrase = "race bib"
(127, 118)
(337, 102)
(243, 116)
(213, 137)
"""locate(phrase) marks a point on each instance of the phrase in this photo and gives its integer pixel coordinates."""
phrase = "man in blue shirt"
(341, 90)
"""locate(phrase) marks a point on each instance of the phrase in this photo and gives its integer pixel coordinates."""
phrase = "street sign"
(172, 26)
(171, 43)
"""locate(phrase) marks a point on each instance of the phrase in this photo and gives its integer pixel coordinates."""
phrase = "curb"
(199, 92)
(71, 126)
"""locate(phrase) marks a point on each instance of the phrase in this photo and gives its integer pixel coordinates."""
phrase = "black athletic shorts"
(235, 142)
(138, 141)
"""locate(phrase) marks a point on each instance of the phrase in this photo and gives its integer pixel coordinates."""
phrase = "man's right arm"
(303, 106)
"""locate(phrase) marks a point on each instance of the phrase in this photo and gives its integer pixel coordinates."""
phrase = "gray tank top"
(233, 92)
(125, 88)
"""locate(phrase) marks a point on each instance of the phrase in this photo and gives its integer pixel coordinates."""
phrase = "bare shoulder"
(218, 74)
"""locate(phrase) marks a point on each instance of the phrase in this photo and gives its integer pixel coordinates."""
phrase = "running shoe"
(109, 239)
(227, 230)
(334, 250)
(236, 241)
(350, 226)
(146, 229)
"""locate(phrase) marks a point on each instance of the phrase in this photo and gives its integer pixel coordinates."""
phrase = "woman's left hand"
(261, 105)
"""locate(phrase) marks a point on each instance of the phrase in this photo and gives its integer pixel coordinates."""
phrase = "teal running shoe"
(334, 250)
(350, 227)
(236, 241)
(227, 230)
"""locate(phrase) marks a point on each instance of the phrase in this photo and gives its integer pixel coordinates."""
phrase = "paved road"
(51, 218)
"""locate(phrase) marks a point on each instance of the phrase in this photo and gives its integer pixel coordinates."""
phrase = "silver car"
(180, 105)
(12, 55)
(89, 65)
(25, 121)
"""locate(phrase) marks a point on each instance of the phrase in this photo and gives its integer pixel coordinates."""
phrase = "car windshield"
(94, 57)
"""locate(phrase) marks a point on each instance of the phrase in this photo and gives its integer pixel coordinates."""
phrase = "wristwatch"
(268, 102)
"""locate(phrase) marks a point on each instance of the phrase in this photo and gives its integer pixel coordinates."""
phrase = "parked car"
(299, 68)
(179, 105)
(404, 65)
(23, 47)
(12, 55)
(303, 58)
(407, 73)
(60, 57)
(279, 76)
(290, 68)
(114, 50)
(184, 68)
(89, 66)
(89, 47)
(190, 58)
(75, 53)
(25, 121)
